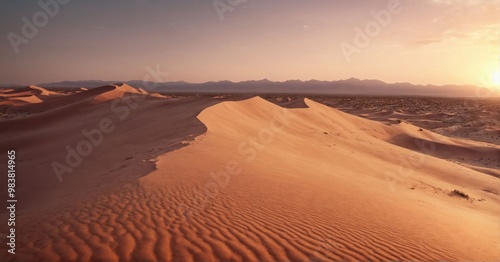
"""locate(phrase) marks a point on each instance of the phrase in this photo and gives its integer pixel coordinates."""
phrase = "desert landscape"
(118, 173)
(234, 130)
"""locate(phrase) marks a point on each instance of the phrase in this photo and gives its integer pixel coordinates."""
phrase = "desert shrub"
(459, 193)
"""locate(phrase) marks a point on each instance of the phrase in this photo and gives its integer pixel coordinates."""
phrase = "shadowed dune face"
(208, 179)
(289, 102)
(141, 127)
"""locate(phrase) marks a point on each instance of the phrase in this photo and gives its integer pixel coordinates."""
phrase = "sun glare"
(495, 78)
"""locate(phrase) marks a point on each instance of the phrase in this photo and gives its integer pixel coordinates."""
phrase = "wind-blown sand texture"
(200, 178)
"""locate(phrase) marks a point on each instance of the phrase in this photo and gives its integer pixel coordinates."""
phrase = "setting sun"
(495, 78)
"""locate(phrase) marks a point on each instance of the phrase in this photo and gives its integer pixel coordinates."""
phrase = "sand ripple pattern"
(139, 224)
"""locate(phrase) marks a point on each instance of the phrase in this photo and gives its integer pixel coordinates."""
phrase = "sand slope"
(118, 91)
(197, 179)
(29, 90)
(25, 96)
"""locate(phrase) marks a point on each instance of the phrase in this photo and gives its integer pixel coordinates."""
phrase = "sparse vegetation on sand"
(459, 193)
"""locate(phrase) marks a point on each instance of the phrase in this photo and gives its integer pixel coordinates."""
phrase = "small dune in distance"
(120, 172)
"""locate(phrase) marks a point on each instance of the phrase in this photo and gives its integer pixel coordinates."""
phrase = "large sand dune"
(208, 179)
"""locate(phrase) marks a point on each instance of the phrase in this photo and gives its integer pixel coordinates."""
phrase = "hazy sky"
(423, 41)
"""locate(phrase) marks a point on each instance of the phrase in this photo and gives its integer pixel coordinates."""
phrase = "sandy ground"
(221, 178)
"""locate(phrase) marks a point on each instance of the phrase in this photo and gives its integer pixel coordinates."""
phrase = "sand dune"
(209, 179)
(289, 102)
(118, 91)
(22, 100)
(30, 90)
(43, 91)
(63, 100)
(469, 118)
(25, 96)
(472, 153)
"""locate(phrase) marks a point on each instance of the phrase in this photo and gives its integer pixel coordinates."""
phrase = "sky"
(417, 41)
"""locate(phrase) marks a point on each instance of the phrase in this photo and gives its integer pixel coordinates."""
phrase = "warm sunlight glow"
(495, 78)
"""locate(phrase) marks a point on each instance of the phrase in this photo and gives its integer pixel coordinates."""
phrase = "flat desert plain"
(117, 173)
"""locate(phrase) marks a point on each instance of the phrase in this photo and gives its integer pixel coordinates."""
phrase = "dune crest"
(118, 91)
(338, 157)
(22, 100)
(24, 96)
(250, 180)
(42, 91)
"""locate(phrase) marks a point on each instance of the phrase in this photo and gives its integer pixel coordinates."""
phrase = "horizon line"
(236, 82)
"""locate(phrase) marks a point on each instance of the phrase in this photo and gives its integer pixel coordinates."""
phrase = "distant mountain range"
(351, 86)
